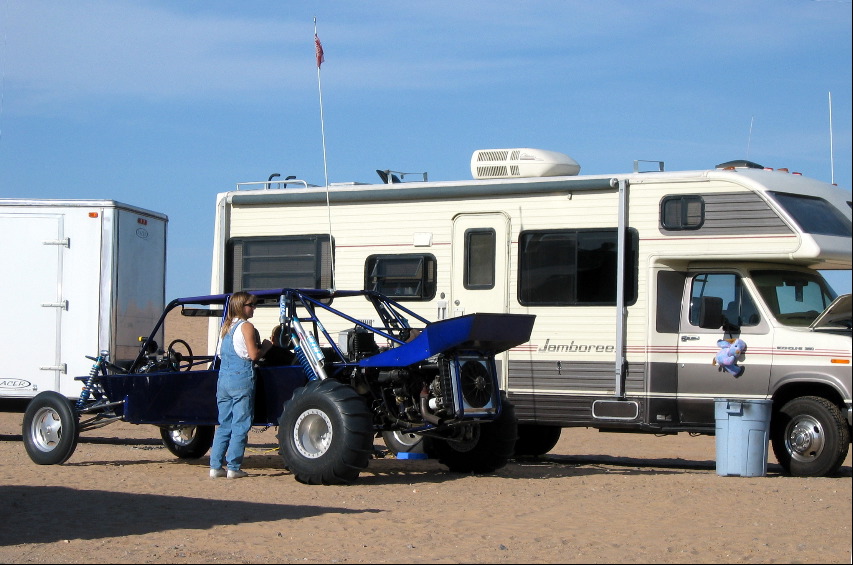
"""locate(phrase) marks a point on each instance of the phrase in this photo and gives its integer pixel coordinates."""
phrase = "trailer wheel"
(187, 442)
(478, 448)
(50, 429)
(810, 437)
(534, 440)
(325, 433)
(399, 441)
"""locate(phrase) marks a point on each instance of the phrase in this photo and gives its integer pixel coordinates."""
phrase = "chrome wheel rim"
(312, 433)
(46, 431)
(182, 436)
(805, 439)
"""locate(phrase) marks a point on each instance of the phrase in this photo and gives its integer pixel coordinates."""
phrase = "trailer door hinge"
(61, 304)
(66, 242)
(62, 368)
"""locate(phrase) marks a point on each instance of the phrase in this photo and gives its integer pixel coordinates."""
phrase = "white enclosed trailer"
(634, 278)
(79, 276)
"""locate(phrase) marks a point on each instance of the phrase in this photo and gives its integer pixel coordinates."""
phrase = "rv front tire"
(50, 429)
(810, 437)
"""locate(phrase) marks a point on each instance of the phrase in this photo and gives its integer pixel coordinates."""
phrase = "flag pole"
(318, 48)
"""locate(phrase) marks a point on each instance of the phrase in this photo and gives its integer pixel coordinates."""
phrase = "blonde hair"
(235, 310)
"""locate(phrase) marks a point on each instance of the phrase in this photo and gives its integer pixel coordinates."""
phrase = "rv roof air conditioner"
(523, 162)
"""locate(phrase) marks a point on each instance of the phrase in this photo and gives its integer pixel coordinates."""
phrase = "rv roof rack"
(637, 166)
(390, 177)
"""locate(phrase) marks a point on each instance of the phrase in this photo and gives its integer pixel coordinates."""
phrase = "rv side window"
(402, 277)
(814, 215)
(479, 259)
(256, 263)
(739, 310)
(573, 267)
(683, 212)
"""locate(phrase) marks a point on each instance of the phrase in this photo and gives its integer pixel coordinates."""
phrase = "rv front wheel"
(810, 437)
(50, 429)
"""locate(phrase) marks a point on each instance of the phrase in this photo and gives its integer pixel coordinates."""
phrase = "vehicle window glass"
(479, 259)
(682, 212)
(738, 306)
(257, 263)
(409, 276)
(814, 215)
(573, 267)
(794, 298)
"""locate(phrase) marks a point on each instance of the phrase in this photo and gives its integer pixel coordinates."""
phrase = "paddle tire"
(187, 442)
(534, 440)
(50, 429)
(478, 447)
(810, 437)
(325, 433)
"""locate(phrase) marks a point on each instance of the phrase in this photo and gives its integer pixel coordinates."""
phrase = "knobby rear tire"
(325, 433)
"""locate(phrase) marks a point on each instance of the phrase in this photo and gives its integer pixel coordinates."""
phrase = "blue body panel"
(489, 333)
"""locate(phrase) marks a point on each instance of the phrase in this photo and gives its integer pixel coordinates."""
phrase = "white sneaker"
(238, 474)
(217, 473)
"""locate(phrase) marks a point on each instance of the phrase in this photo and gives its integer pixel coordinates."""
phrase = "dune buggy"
(400, 377)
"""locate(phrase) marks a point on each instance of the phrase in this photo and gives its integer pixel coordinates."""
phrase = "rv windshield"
(794, 298)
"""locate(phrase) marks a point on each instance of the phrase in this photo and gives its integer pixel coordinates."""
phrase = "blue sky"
(164, 104)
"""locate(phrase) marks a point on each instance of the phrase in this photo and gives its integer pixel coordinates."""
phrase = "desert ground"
(596, 498)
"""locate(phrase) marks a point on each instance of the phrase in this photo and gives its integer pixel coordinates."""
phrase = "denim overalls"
(235, 392)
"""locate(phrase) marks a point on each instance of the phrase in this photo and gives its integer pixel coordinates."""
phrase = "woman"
(235, 389)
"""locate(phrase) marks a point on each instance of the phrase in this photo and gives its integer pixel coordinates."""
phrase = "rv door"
(480, 263)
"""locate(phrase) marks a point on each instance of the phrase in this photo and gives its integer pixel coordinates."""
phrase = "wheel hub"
(46, 430)
(182, 436)
(805, 439)
(312, 433)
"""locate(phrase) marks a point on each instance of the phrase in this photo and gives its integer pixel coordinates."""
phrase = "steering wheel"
(181, 361)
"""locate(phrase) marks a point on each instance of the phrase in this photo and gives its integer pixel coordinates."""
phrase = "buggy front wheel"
(50, 429)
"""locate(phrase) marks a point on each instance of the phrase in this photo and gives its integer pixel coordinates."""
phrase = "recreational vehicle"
(637, 280)
(84, 276)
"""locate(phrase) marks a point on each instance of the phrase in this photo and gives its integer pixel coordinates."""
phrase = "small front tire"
(50, 429)
(187, 442)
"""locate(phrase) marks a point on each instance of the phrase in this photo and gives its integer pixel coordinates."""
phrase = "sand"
(597, 498)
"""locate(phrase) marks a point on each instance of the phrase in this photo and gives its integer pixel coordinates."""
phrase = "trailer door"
(480, 263)
(31, 280)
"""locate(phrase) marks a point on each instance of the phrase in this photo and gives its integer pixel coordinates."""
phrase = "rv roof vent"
(523, 162)
(739, 164)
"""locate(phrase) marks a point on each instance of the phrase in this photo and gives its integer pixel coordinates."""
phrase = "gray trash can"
(742, 436)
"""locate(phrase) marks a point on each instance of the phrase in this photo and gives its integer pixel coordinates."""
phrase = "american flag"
(319, 49)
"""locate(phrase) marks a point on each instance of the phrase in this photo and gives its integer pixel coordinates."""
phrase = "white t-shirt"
(239, 341)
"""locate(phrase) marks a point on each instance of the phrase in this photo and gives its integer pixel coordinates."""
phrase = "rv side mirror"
(711, 312)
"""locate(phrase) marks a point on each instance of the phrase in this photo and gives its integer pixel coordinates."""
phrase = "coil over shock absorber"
(90, 381)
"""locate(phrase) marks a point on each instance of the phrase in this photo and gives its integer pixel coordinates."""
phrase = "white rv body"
(85, 276)
(626, 356)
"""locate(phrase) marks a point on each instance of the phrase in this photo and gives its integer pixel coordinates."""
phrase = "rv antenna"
(749, 139)
(831, 158)
(318, 48)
